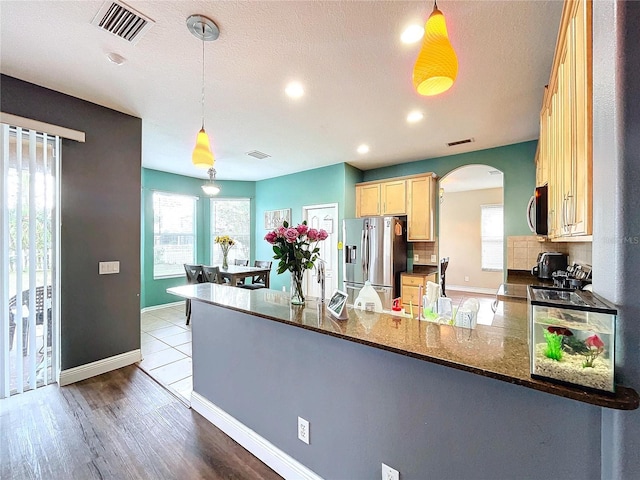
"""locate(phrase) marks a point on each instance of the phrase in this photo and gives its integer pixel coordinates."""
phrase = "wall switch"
(416, 258)
(434, 258)
(303, 430)
(389, 473)
(466, 278)
(107, 268)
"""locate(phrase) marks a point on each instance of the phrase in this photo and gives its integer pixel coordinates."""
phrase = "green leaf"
(285, 224)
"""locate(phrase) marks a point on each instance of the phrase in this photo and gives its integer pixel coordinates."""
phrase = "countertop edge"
(625, 398)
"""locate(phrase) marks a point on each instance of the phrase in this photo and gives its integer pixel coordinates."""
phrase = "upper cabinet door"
(368, 200)
(420, 209)
(394, 198)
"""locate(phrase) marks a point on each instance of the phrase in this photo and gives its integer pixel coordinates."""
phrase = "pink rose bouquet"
(295, 248)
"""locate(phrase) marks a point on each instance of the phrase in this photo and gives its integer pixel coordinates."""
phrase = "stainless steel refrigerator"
(375, 249)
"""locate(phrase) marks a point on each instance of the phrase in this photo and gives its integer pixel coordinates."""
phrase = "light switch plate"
(434, 258)
(108, 268)
(416, 258)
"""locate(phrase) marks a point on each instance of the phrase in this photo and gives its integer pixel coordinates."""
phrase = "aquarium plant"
(554, 345)
(595, 346)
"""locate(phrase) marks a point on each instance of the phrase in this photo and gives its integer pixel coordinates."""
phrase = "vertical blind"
(492, 238)
(29, 233)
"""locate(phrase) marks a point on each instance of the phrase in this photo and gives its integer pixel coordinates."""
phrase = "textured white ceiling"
(356, 73)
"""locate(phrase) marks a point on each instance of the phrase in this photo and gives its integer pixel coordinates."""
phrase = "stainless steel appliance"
(549, 262)
(537, 211)
(577, 276)
(375, 249)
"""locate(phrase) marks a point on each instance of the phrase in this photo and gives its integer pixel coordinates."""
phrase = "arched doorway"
(471, 228)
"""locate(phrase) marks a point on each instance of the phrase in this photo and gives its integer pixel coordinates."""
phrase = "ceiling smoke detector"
(460, 142)
(258, 154)
(122, 21)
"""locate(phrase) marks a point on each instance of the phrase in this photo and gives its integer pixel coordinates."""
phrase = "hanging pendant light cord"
(203, 76)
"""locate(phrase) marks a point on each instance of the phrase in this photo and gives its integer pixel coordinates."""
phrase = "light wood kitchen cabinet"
(420, 208)
(381, 198)
(413, 196)
(368, 200)
(410, 288)
(394, 197)
(564, 159)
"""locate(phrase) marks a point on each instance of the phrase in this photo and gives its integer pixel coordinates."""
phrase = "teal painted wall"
(153, 292)
(312, 187)
(515, 161)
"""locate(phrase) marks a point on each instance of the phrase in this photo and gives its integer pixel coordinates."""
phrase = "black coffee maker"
(549, 262)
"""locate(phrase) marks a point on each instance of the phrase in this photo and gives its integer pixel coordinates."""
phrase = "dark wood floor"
(120, 425)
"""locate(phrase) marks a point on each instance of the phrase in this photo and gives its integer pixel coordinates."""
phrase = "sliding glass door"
(29, 242)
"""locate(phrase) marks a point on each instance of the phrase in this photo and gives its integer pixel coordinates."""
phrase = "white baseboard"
(160, 307)
(460, 288)
(73, 375)
(282, 463)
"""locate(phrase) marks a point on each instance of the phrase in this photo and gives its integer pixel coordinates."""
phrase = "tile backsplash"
(522, 251)
(424, 250)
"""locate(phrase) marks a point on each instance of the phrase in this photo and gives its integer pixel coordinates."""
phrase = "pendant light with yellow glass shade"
(436, 67)
(206, 30)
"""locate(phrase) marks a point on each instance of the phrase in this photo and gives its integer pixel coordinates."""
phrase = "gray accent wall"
(100, 211)
(367, 406)
(616, 224)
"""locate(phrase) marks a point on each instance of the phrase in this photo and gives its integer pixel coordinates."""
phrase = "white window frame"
(488, 240)
(213, 234)
(194, 234)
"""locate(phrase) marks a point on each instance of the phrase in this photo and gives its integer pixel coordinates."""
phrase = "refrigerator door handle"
(362, 253)
(368, 252)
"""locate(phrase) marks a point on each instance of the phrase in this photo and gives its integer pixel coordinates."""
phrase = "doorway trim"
(334, 263)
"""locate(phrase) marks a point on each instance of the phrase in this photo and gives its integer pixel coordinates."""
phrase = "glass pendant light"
(210, 188)
(206, 30)
(436, 67)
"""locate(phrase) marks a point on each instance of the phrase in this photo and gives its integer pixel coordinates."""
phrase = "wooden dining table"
(237, 273)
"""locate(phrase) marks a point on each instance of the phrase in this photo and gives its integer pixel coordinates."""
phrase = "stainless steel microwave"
(537, 211)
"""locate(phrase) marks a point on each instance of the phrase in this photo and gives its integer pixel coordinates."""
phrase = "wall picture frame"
(275, 218)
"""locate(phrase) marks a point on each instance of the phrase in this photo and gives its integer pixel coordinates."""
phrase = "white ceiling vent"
(122, 21)
(460, 142)
(257, 154)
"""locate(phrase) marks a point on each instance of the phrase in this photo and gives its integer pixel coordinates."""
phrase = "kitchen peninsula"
(380, 388)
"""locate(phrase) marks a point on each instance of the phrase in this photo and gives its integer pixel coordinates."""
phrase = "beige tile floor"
(166, 349)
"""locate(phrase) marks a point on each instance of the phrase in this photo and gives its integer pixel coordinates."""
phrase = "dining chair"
(195, 274)
(444, 263)
(258, 281)
(211, 274)
(241, 263)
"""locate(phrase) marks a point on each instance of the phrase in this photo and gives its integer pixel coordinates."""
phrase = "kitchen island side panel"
(367, 406)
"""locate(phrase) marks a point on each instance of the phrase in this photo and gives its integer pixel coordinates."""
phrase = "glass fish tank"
(572, 337)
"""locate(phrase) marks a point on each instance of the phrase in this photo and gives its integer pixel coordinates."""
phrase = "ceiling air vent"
(460, 142)
(122, 21)
(257, 154)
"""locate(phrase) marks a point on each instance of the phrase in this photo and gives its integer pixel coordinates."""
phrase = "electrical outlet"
(466, 278)
(416, 258)
(434, 258)
(303, 430)
(389, 473)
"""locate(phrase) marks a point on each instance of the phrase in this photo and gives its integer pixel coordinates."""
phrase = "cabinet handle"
(571, 205)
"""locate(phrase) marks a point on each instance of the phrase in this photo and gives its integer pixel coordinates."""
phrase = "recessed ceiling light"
(412, 34)
(362, 149)
(115, 58)
(415, 116)
(294, 90)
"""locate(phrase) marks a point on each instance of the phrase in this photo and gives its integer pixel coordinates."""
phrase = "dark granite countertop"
(515, 288)
(498, 351)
